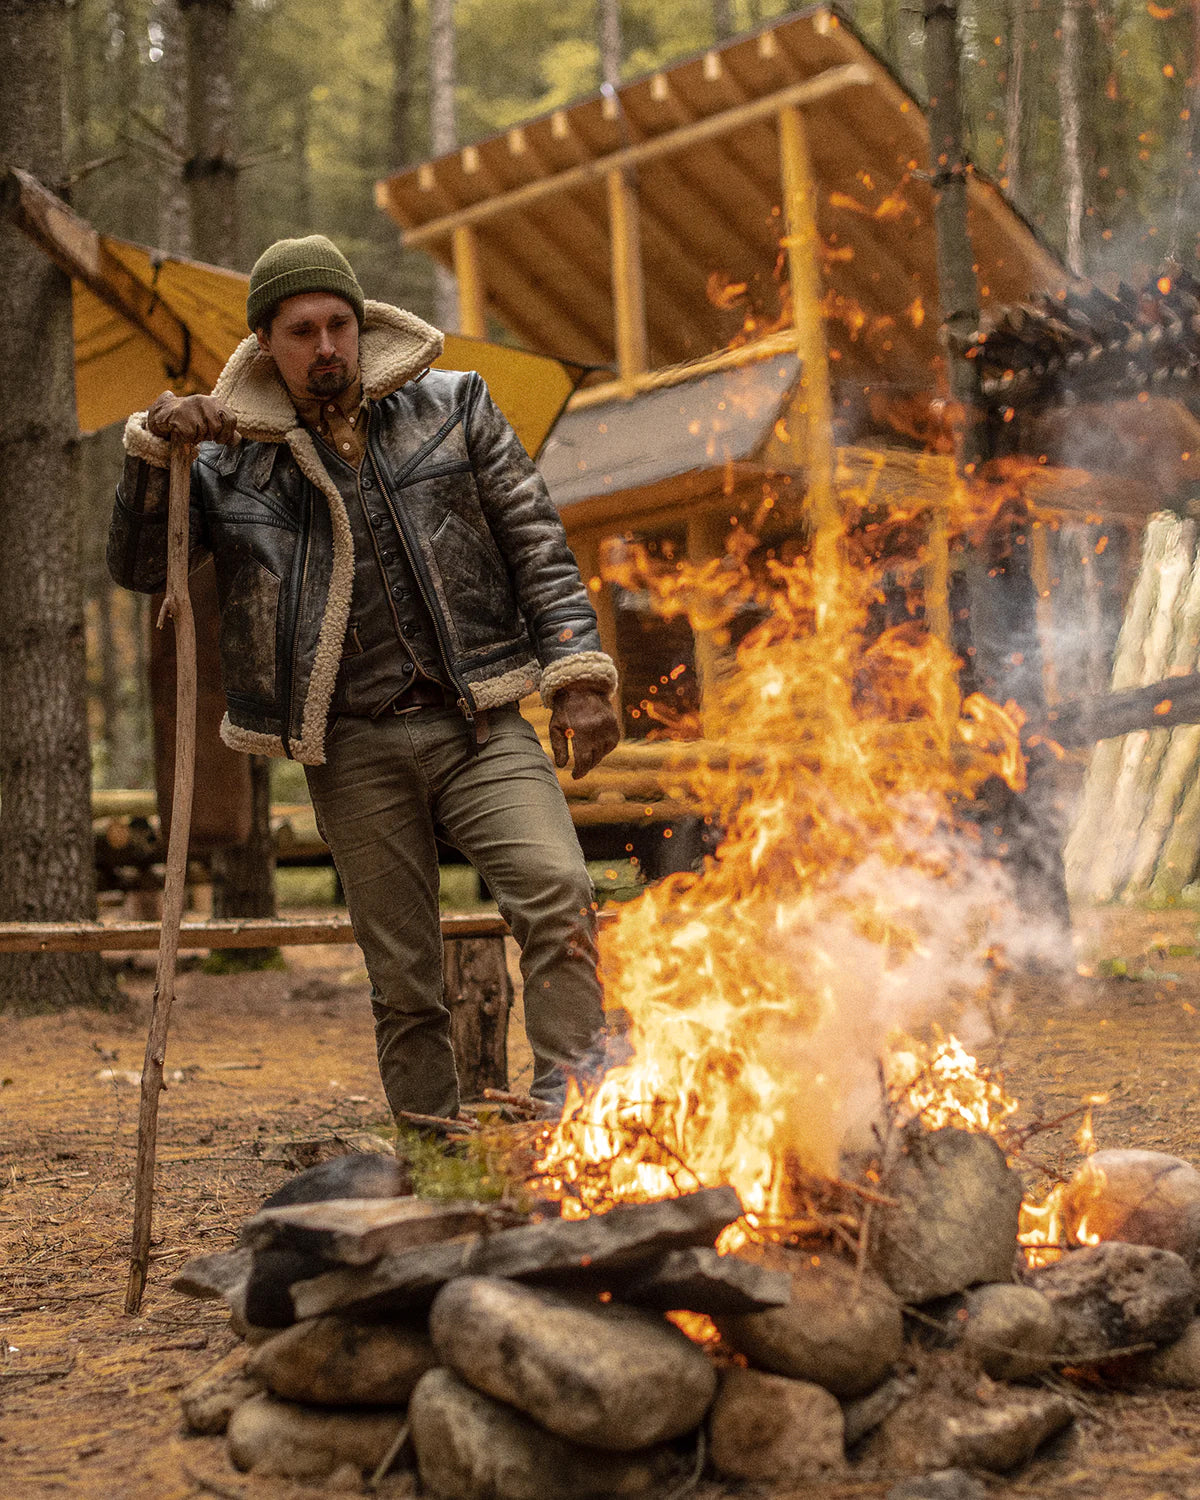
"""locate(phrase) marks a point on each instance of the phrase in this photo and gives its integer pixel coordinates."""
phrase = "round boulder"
(774, 1430)
(1141, 1197)
(333, 1361)
(470, 1447)
(841, 1330)
(1012, 1331)
(603, 1374)
(953, 1222)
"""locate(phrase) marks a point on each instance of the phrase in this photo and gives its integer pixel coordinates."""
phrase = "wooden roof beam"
(76, 248)
(629, 294)
(830, 81)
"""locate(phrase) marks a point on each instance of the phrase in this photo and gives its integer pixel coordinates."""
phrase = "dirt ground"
(89, 1396)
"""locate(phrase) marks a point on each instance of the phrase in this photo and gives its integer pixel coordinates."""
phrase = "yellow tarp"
(118, 370)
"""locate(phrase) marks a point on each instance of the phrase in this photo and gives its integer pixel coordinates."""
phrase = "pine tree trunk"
(1186, 195)
(722, 19)
(302, 210)
(400, 44)
(46, 861)
(443, 131)
(174, 228)
(211, 168)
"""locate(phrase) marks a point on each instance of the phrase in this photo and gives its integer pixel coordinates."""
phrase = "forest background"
(1085, 111)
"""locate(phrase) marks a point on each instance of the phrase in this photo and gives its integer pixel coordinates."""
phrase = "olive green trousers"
(386, 784)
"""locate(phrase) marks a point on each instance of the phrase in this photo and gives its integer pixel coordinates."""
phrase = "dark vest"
(390, 639)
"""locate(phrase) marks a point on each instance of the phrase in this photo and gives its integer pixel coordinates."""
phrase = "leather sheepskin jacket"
(484, 540)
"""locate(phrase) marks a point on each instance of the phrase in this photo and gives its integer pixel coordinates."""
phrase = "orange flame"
(846, 898)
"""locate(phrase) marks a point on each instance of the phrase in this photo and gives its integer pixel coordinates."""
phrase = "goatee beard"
(329, 382)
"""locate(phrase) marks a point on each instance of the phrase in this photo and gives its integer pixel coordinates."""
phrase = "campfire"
(776, 1233)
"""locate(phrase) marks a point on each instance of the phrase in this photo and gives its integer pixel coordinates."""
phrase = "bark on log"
(1135, 794)
(1144, 649)
(479, 994)
(1176, 763)
(46, 869)
(1178, 860)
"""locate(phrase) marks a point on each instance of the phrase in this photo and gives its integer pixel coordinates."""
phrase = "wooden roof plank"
(631, 156)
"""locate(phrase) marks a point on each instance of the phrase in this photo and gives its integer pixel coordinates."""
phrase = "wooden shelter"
(745, 243)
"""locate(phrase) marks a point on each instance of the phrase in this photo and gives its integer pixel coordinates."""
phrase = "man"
(392, 578)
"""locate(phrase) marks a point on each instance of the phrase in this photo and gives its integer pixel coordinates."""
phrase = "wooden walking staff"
(178, 606)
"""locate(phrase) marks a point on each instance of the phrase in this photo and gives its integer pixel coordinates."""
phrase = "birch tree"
(608, 28)
(1072, 129)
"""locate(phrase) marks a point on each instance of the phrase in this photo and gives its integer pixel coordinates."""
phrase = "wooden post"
(706, 533)
(587, 554)
(479, 994)
(811, 441)
(472, 304)
(629, 296)
(178, 605)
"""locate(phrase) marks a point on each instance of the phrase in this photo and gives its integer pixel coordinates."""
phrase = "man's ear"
(264, 340)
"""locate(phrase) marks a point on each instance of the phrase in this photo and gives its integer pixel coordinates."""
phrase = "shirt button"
(368, 484)
(376, 519)
(388, 556)
(330, 407)
(407, 669)
(397, 591)
(345, 447)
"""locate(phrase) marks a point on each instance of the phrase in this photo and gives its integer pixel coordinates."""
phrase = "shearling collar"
(394, 346)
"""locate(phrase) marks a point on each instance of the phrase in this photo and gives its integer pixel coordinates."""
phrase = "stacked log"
(1137, 831)
(1092, 345)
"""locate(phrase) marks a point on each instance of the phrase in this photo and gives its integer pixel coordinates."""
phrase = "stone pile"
(518, 1357)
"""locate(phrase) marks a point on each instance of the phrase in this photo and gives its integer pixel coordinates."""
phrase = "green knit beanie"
(289, 267)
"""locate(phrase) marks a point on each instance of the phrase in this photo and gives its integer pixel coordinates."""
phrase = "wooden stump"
(479, 994)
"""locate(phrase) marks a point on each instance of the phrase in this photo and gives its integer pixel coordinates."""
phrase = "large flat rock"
(470, 1447)
(628, 1235)
(700, 1280)
(600, 1373)
(357, 1231)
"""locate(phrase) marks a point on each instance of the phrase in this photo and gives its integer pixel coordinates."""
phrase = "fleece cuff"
(593, 670)
(141, 443)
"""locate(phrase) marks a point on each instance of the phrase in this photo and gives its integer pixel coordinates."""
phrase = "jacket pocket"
(478, 595)
(249, 616)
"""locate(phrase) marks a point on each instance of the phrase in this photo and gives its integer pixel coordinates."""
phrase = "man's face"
(314, 342)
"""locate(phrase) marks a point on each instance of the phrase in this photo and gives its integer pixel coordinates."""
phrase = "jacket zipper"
(297, 595)
(466, 704)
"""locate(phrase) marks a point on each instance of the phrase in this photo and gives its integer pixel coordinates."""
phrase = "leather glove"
(582, 720)
(195, 419)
